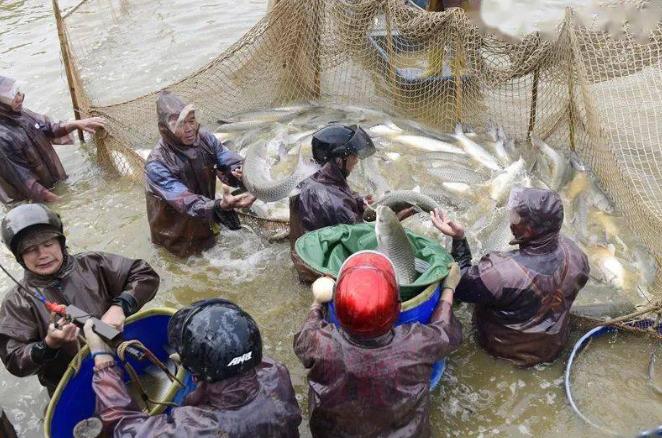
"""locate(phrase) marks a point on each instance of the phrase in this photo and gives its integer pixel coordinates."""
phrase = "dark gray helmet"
(215, 339)
(340, 141)
(19, 220)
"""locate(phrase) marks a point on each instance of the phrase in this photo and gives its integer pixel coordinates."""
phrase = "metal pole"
(64, 49)
(534, 102)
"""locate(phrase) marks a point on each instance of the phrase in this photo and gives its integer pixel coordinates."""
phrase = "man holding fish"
(522, 297)
(325, 198)
(180, 182)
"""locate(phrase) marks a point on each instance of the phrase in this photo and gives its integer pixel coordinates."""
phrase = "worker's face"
(352, 161)
(17, 103)
(44, 259)
(187, 131)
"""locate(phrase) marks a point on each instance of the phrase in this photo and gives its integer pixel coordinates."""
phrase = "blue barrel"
(74, 399)
(418, 309)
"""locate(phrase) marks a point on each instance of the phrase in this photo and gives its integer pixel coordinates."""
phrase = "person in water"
(522, 297)
(29, 166)
(107, 286)
(325, 198)
(180, 182)
(239, 392)
(367, 377)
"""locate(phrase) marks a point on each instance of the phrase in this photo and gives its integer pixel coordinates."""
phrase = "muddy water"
(480, 396)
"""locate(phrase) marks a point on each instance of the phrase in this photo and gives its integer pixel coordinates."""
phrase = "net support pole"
(66, 60)
(534, 102)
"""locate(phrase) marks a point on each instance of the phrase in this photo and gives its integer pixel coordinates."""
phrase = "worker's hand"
(368, 200)
(442, 222)
(50, 196)
(405, 213)
(229, 201)
(60, 333)
(90, 125)
(94, 341)
(323, 290)
(115, 317)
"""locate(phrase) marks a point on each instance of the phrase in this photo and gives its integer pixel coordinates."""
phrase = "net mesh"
(582, 90)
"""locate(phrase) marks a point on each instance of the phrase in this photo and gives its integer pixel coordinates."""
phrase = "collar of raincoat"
(229, 393)
(8, 90)
(542, 211)
(167, 106)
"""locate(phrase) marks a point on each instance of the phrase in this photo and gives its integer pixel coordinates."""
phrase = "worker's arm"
(471, 288)
(172, 190)
(308, 342)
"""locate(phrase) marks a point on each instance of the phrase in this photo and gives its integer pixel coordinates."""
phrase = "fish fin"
(223, 122)
(611, 248)
(416, 189)
(458, 129)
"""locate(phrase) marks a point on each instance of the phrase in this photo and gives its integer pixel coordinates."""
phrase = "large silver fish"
(428, 144)
(457, 174)
(552, 165)
(401, 199)
(476, 151)
(392, 241)
(257, 178)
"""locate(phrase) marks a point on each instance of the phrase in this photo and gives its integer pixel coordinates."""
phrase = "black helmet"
(215, 339)
(19, 220)
(341, 141)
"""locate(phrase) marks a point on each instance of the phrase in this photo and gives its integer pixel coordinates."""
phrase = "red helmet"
(366, 298)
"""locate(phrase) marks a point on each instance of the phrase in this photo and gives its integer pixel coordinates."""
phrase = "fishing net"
(582, 90)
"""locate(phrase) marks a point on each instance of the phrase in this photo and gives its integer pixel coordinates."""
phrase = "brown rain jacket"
(523, 297)
(29, 165)
(325, 199)
(375, 389)
(89, 281)
(180, 185)
(259, 403)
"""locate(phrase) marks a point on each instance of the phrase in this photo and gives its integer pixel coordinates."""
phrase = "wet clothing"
(374, 388)
(92, 281)
(523, 297)
(325, 199)
(258, 403)
(180, 186)
(29, 166)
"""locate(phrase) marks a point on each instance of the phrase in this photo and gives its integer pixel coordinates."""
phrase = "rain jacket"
(29, 166)
(378, 388)
(89, 281)
(180, 185)
(258, 403)
(324, 200)
(523, 297)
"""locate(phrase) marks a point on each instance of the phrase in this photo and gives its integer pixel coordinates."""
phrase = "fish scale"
(392, 241)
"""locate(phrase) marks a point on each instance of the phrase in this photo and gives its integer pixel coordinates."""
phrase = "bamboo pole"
(64, 49)
(534, 102)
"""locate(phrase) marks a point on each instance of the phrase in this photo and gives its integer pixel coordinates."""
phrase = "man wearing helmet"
(180, 181)
(239, 392)
(325, 198)
(369, 377)
(522, 297)
(107, 286)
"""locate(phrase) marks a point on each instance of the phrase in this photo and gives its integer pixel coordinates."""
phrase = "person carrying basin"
(107, 286)
(239, 392)
(180, 182)
(367, 377)
(29, 166)
(325, 198)
(522, 297)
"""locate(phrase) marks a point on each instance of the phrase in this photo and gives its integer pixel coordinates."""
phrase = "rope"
(131, 347)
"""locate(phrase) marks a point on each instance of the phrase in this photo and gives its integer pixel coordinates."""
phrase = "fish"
(421, 224)
(474, 150)
(457, 174)
(502, 184)
(257, 180)
(400, 199)
(496, 234)
(388, 129)
(457, 188)
(428, 144)
(552, 164)
(645, 264)
(144, 153)
(247, 125)
(392, 241)
(606, 267)
(393, 156)
(299, 136)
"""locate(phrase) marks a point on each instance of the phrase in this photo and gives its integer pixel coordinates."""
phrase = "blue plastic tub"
(74, 400)
(418, 309)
